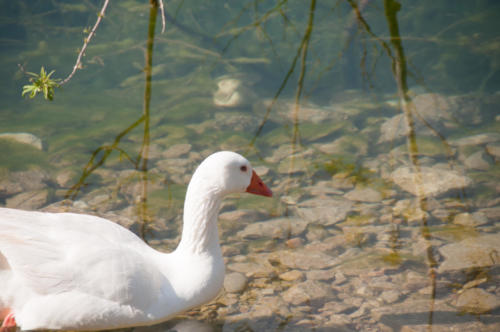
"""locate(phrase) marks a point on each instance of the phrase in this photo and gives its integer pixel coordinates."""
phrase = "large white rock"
(477, 251)
(433, 182)
(24, 138)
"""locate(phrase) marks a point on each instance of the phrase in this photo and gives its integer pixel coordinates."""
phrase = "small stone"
(81, 205)
(494, 150)
(261, 170)
(492, 213)
(99, 200)
(340, 278)
(349, 143)
(276, 228)
(477, 301)
(31, 200)
(66, 178)
(242, 216)
(364, 291)
(316, 232)
(292, 275)
(324, 211)
(390, 296)
(478, 160)
(30, 180)
(294, 242)
(9, 188)
(364, 195)
(177, 150)
(433, 181)
(303, 259)
(470, 220)
(232, 92)
(24, 138)
(475, 251)
(477, 139)
(475, 283)
(235, 282)
(306, 292)
(320, 275)
(252, 269)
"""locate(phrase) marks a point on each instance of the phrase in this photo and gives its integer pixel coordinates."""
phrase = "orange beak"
(258, 187)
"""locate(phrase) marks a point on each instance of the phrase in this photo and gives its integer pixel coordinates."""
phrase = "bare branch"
(86, 42)
(162, 11)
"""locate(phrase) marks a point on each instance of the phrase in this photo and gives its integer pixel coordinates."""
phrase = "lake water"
(375, 123)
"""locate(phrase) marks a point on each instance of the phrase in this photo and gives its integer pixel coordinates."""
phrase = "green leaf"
(41, 83)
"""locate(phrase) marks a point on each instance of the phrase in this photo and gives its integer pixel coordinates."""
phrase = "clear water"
(318, 80)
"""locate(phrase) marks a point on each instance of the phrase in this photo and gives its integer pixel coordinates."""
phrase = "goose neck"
(199, 232)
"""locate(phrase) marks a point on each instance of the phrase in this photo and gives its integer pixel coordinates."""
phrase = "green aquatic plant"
(350, 169)
(41, 83)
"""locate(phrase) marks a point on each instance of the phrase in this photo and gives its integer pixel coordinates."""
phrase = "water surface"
(375, 123)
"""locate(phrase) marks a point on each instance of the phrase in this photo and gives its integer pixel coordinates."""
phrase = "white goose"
(81, 272)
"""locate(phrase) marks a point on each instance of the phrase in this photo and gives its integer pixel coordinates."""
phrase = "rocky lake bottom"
(357, 238)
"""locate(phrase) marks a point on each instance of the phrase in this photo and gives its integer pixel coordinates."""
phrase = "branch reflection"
(140, 163)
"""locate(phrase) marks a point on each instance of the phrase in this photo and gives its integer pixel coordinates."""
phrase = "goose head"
(227, 172)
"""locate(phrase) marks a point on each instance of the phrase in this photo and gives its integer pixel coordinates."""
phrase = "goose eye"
(243, 168)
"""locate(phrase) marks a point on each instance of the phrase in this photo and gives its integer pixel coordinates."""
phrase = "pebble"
(31, 200)
(66, 178)
(324, 211)
(294, 242)
(479, 139)
(235, 282)
(24, 138)
(177, 151)
(477, 301)
(434, 181)
(292, 275)
(276, 228)
(303, 259)
(478, 160)
(494, 150)
(364, 195)
(305, 292)
(475, 251)
(470, 220)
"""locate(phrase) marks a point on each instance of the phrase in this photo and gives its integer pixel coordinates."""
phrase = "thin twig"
(162, 11)
(85, 43)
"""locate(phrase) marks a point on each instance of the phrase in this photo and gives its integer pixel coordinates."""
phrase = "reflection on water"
(375, 122)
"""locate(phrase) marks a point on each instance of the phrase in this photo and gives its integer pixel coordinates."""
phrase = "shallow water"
(376, 128)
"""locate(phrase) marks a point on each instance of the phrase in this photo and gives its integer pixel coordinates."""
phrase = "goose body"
(80, 272)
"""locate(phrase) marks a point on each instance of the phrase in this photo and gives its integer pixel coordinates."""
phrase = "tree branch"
(78, 63)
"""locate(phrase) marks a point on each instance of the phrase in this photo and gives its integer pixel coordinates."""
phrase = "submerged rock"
(477, 301)
(479, 139)
(364, 195)
(478, 160)
(478, 251)
(303, 259)
(232, 92)
(470, 220)
(24, 138)
(276, 228)
(305, 292)
(30, 200)
(494, 150)
(433, 181)
(235, 282)
(177, 151)
(432, 108)
(324, 211)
